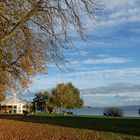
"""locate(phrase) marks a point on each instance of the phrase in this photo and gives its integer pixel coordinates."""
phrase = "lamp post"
(46, 106)
(61, 107)
(35, 107)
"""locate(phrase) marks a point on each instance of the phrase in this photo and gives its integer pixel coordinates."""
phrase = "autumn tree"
(2, 85)
(58, 93)
(35, 31)
(67, 96)
(2, 96)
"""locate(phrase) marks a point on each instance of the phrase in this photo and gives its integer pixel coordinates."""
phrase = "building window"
(9, 106)
(24, 106)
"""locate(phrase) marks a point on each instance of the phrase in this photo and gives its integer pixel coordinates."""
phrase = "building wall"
(13, 109)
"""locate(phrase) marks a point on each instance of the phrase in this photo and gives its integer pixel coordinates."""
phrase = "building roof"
(12, 101)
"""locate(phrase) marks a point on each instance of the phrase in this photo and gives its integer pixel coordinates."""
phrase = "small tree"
(41, 99)
(44, 102)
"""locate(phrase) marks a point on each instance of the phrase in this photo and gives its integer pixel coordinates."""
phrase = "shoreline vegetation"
(69, 127)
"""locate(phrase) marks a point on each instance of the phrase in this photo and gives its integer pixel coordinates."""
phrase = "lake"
(131, 111)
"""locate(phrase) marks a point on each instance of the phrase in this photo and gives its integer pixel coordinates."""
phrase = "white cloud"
(109, 100)
(83, 53)
(106, 60)
(119, 12)
(115, 94)
(73, 62)
(109, 60)
(117, 90)
(132, 12)
(120, 17)
(88, 68)
(119, 4)
(107, 74)
(132, 99)
(103, 55)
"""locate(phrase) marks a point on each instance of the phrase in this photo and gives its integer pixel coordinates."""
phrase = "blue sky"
(109, 57)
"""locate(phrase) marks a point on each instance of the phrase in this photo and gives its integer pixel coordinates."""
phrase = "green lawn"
(124, 125)
(107, 128)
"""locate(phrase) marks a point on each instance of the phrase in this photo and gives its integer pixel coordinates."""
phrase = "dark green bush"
(113, 111)
(26, 112)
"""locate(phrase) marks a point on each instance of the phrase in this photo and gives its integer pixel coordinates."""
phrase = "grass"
(77, 127)
(124, 125)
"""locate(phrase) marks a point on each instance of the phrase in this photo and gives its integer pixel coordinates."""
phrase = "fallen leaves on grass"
(19, 130)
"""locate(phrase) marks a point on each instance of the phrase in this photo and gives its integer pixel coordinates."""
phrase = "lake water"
(131, 111)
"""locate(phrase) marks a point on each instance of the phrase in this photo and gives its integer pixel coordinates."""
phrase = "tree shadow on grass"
(122, 125)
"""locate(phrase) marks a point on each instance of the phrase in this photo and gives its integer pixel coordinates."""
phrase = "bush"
(67, 112)
(139, 111)
(50, 109)
(113, 111)
(26, 112)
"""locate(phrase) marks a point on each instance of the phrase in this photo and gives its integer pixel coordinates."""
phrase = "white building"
(13, 105)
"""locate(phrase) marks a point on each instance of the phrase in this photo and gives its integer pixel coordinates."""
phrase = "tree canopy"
(35, 31)
(40, 101)
(67, 96)
(2, 96)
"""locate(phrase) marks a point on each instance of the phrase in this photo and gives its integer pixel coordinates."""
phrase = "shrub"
(26, 112)
(67, 112)
(113, 111)
(50, 109)
(139, 111)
